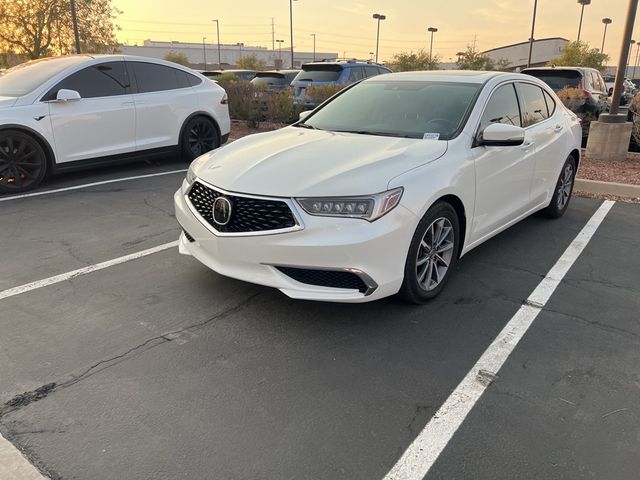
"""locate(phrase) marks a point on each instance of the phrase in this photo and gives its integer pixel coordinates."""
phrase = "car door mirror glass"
(502, 135)
(65, 95)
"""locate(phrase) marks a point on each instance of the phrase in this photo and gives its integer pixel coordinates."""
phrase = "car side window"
(371, 71)
(501, 108)
(534, 106)
(102, 80)
(355, 74)
(152, 77)
(551, 103)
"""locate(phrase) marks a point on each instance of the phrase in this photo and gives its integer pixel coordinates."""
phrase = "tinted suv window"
(534, 106)
(557, 79)
(319, 73)
(102, 80)
(502, 108)
(371, 71)
(355, 74)
(152, 77)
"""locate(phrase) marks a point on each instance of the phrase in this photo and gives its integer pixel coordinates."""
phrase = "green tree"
(37, 28)
(177, 57)
(251, 62)
(472, 59)
(579, 54)
(412, 61)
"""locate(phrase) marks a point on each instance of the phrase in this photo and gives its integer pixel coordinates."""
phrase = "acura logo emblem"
(222, 209)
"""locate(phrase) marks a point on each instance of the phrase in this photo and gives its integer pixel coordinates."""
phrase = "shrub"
(242, 100)
(319, 93)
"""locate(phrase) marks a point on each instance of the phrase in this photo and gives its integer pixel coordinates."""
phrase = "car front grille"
(248, 214)
(327, 278)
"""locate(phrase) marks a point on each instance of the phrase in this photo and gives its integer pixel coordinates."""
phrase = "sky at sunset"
(347, 27)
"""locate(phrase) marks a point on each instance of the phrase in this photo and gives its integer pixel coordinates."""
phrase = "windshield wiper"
(377, 133)
(305, 125)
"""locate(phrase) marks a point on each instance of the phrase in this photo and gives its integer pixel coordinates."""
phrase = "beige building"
(229, 54)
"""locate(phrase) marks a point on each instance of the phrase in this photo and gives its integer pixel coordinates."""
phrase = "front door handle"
(527, 146)
(558, 128)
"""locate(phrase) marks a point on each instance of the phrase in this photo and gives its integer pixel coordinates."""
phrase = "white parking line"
(13, 466)
(420, 456)
(87, 185)
(83, 271)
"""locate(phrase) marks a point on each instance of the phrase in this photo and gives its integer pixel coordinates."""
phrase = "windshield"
(399, 108)
(319, 73)
(558, 80)
(25, 78)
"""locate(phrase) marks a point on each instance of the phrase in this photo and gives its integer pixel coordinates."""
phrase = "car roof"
(346, 63)
(461, 76)
(559, 68)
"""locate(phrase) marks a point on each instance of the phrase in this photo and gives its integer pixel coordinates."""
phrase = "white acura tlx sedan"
(383, 187)
(79, 111)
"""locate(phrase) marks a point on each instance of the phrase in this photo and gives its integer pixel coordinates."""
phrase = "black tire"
(23, 162)
(563, 190)
(415, 290)
(199, 136)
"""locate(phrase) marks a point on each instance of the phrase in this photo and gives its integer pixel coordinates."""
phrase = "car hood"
(7, 101)
(294, 162)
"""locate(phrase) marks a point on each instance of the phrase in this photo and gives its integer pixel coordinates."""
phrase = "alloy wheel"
(435, 254)
(565, 185)
(201, 138)
(21, 163)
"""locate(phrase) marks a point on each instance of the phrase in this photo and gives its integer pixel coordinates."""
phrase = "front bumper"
(375, 251)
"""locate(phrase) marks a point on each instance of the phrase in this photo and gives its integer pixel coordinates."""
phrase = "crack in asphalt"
(26, 398)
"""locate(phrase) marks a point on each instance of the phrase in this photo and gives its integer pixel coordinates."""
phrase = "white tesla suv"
(383, 187)
(64, 113)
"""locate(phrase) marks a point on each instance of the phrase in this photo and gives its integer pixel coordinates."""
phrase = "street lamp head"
(379, 16)
(584, 2)
(432, 29)
(607, 21)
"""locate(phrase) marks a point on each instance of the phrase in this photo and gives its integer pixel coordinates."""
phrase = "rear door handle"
(558, 128)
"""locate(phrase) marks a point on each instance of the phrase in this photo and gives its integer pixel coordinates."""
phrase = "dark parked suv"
(343, 72)
(277, 80)
(588, 97)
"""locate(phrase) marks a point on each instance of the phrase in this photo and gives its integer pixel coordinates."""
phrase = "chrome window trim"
(290, 203)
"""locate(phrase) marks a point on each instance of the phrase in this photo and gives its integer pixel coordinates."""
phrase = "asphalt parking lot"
(157, 368)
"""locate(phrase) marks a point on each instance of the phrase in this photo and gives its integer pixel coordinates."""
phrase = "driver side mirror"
(304, 115)
(501, 135)
(65, 95)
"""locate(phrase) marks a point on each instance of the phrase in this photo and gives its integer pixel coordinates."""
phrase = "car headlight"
(194, 167)
(368, 207)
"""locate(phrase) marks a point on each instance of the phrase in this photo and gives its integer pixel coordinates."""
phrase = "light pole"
(371, 54)
(637, 57)
(218, 32)
(379, 17)
(314, 46)
(432, 30)
(74, 18)
(280, 42)
(533, 29)
(291, 25)
(583, 3)
(204, 52)
(607, 22)
(240, 44)
(626, 70)
(618, 88)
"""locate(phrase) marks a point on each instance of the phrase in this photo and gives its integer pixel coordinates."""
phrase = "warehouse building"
(518, 54)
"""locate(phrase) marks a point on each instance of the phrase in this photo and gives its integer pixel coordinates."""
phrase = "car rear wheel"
(563, 190)
(199, 137)
(23, 163)
(432, 254)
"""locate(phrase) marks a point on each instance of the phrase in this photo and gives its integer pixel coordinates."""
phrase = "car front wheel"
(23, 163)
(432, 254)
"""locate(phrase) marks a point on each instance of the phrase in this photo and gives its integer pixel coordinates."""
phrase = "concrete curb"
(607, 188)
